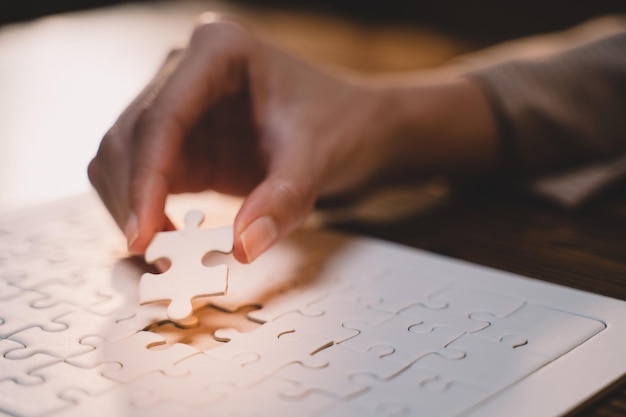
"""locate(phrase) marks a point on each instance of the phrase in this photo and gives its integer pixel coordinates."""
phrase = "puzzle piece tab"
(453, 306)
(487, 365)
(20, 370)
(275, 342)
(334, 311)
(137, 358)
(20, 314)
(415, 393)
(265, 399)
(407, 337)
(187, 278)
(67, 342)
(329, 370)
(29, 400)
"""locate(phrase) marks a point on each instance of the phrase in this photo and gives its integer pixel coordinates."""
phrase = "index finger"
(212, 65)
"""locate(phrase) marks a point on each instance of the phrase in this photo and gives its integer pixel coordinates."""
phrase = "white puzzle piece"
(266, 398)
(453, 306)
(62, 376)
(205, 369)
(275, 342)
(57, 292)
(284, 269)
(331, 311)
(8, 290)
(21, 315)
(186, 277)
(549, 332)
(490, 366)
(18, 400)
(157, 387)
(405, 336)
(20, 370)
(116, 402)
(329, 371)
(137, 356)
(67, 343)
(40, 270)
(416, 393)
(410, 285)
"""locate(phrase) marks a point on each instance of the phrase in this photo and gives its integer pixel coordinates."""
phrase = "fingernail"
(258, 236)
(131, 231)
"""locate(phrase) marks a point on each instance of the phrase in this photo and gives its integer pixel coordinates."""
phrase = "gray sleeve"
(560, 111)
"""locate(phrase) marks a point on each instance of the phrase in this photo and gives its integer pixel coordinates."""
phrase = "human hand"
(235, 114)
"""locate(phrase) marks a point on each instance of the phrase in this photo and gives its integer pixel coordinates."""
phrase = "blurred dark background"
(487, 20)
(481, 20)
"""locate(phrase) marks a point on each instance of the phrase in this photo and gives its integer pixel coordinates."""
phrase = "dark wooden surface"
(584, 249)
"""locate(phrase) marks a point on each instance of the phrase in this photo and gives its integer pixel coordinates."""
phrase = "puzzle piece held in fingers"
(187, 278)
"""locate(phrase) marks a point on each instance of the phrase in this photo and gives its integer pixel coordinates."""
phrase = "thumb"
(275, 208)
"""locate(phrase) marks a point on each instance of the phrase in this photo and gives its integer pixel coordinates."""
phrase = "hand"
(235, 114)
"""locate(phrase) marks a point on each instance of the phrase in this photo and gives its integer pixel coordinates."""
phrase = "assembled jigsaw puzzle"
(323, 324)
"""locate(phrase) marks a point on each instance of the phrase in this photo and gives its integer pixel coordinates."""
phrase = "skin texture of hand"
(237, 115)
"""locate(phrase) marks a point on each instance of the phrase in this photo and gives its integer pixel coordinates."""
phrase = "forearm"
(562, 109)
(530, 115)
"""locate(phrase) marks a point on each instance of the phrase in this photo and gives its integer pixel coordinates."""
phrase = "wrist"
(444, 128)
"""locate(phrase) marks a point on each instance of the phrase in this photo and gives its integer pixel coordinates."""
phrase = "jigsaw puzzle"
(321, 325)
